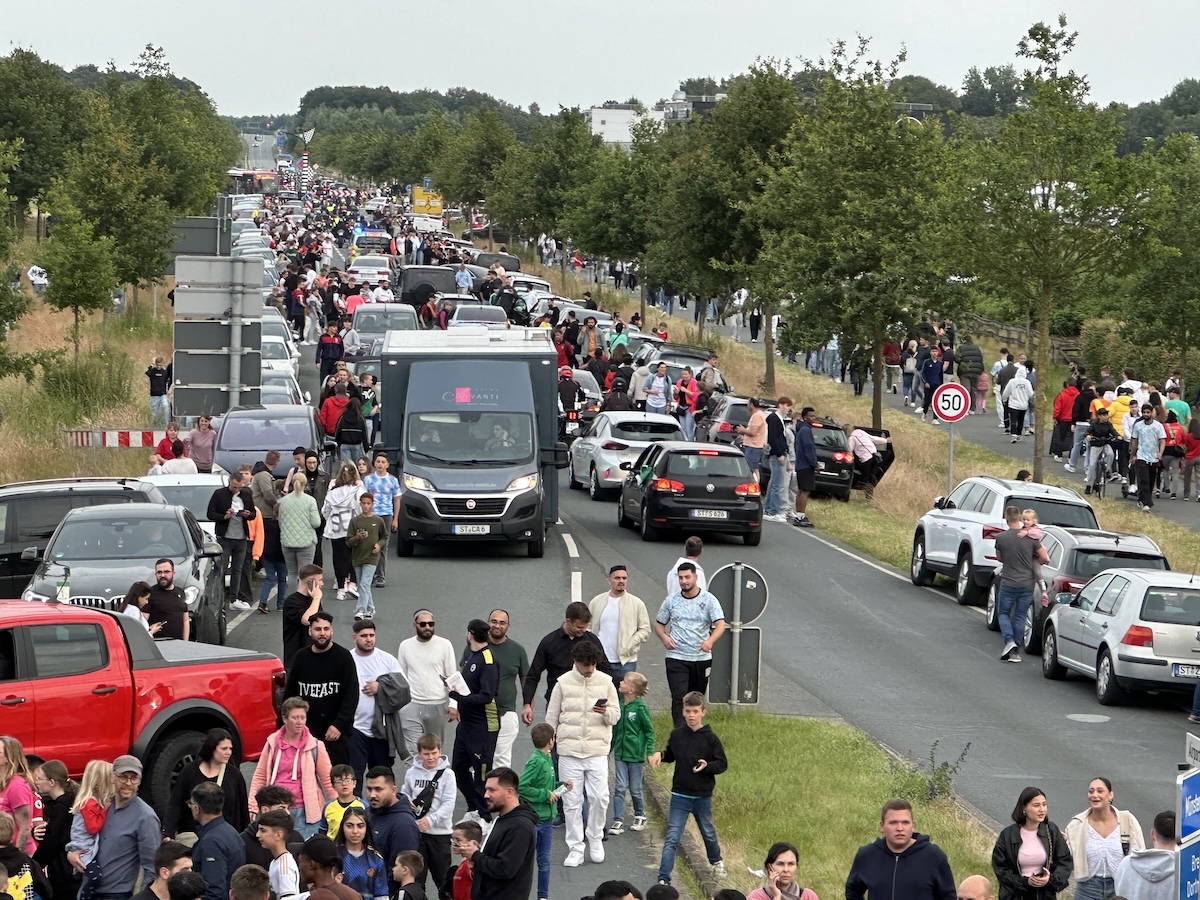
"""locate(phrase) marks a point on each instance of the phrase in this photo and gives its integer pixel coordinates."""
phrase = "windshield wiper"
(449, 462)
(428, 456)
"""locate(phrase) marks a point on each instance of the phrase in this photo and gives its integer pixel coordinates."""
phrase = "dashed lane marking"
(576, 587)
(572, 550)
(238, 621)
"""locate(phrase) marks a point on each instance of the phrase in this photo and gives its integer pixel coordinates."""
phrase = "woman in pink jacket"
(294, 759)
(780, 883)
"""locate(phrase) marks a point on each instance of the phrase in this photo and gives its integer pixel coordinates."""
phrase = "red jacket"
(1063, 403)
(331, 411)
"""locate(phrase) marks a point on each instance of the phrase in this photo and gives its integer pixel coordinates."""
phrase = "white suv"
(957, 537)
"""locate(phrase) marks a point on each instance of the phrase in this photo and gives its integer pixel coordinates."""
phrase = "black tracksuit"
(478, 727)
(504, 867)
(329, 682)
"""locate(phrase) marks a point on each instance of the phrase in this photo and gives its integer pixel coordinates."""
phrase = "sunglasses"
(424, 624)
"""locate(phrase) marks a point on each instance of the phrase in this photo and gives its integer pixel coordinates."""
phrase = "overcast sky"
(262, 57)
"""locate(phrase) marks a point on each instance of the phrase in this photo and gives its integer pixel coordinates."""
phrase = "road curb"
(691, 845)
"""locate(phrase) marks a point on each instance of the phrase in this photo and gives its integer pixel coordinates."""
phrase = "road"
(260, 153)
(843, 635)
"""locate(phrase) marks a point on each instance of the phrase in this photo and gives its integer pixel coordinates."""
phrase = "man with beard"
(503, 867)
(324, 674)
(514, 666)
(426, 661)
(167, 604)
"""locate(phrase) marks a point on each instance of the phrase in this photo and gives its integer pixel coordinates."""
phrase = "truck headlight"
(524, 483)
(416, 483)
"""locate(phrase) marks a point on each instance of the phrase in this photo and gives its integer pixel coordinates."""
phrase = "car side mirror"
(939, 502)
(308, 396)
(1064, 597)
(31, 554)
(626, 467)
(211, 549)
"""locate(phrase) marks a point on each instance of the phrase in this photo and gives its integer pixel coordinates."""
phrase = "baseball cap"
(127, 763)
(321, 850)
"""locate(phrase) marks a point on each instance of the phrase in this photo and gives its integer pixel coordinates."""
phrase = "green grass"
(819, 785)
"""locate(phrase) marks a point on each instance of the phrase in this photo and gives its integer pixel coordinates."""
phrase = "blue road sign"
(1188, 873)
(1187, 810)
(428, 184)
(280, 141)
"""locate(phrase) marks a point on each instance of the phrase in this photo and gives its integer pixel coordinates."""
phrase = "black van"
(417, 283)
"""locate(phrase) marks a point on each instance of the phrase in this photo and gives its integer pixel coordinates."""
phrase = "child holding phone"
(367, 539)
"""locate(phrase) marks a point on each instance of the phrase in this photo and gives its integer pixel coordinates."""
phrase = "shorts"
(806, 480)
(754, 456)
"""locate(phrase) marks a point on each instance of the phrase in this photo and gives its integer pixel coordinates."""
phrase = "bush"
(1105, 342)
(91, 382)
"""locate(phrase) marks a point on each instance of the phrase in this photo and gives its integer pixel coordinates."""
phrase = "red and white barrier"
(85, 437)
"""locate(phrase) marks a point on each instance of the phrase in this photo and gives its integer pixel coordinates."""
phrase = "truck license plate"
(1184, 671)
(472, 529)
(710, 514)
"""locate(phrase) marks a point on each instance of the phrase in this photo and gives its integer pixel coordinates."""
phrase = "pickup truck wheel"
(537, 547)
(166, 762)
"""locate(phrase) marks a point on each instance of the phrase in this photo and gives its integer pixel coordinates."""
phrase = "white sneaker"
(352, 588)
(596, 851)
(718, 869)
(574, 859)
(341, 595)
(1070, 468)
(240, 605)
(639, 823)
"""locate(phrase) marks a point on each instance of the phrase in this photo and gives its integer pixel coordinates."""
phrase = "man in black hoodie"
(1081, 415)
(504, 867)
(324, 674)
(900, 865)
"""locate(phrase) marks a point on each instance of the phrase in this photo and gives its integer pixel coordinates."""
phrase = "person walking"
(274, 564)
(324, 674)
(689, 623)
(218, 851)
(341, 505)
(230, 509)
(474, 689)
(1150, 874)
(367, 539)
(901, 863)
(201, 444)
(553, 655)
(1147, 440)
(621, 621)
(426, 662)
(385, 489)
(777, 449)
(970, 367)
(294, 759)
(1017, 397)
(513, 661)
(371, 663)
(1100, 838)
(1032, 858)
(159, 374)
(1018, 553)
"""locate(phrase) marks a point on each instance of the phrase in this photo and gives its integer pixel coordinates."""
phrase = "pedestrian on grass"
(807, 465)
(783, 859)
(1032, 859)
(901, 863)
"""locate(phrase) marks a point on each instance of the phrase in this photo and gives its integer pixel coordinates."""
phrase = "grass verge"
(839, 779)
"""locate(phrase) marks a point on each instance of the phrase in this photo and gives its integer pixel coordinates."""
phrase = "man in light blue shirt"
(1147, 438)
(463, 279)
(385, 488)
(129, 837)
(688, 624)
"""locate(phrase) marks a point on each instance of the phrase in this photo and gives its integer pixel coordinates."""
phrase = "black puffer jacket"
(1014, 885)
(970, 360)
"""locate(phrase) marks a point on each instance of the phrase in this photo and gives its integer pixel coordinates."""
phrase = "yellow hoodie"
(1116, 413)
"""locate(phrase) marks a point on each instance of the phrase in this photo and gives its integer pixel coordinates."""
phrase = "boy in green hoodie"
(540, 789)
(633, 741)
(367, 539)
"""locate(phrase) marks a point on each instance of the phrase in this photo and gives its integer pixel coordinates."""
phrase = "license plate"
(472, 529)
(710, 514)
(1185, 671)
(572, 427)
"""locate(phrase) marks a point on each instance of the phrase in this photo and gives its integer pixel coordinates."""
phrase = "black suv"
(31, 510)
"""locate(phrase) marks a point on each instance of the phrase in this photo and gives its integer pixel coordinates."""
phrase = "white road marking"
(1088, 718)
(238, 621)
(572, 550)
(867, 561)
(576, 587)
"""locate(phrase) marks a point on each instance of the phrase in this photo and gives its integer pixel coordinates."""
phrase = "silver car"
(1129, 629)
(613, 438)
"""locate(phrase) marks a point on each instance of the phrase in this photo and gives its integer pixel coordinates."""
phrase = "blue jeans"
(1079, 446)
(1097, 887)
(628, 777)
(1012, 606)
(273, 573)
(777, 487)
(160, 408)
(363, 576)
(687, 422)
(620, 670)
(303, 828)
(545, 834)
(907, 379)
(681, 807)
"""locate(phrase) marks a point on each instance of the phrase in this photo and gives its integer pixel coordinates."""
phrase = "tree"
(1184, 99)
(917, 89)
(699, 87)
(846, 209)
(1048, 212)
(994, 92)
(467, 169)
(79, 262)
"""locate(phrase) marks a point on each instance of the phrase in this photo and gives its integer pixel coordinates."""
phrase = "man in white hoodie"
(582, 711)
(1150, 874)
(1017, 396)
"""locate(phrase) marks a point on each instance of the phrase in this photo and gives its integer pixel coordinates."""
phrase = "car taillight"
(708, 453)
(991, 532)
(1138, 636)
(614, 445)
(749, 489)
(724, 426)
(842, 456)
(572, 414)
(667, 486)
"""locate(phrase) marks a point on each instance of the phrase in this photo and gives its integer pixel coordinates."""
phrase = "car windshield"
(1051, 512)
(648, 431)
(367, 322)
(479, 314)
(1172, 606)
(190, 496)
(446, 438)
(246, 433)
(274, 350)
(274, 327)
(125, 538)
(710, 464)
(1089, 562)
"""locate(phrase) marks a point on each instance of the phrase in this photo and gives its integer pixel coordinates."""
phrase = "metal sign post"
(745, 590)
(951, 404)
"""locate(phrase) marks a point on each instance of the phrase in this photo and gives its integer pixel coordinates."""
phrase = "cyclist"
(1102, 439)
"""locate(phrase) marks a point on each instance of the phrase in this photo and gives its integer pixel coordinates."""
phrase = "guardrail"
(1062, 349)
(111, 437)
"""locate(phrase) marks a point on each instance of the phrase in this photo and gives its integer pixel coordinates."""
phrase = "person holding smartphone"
(1031, 859)
(783, 859)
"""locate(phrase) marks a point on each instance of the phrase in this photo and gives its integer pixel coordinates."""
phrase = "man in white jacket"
(1017, 396)
(1150, 874)
(583, 710)
(621, 621)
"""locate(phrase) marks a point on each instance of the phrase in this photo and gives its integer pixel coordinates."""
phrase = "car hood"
(105, 578)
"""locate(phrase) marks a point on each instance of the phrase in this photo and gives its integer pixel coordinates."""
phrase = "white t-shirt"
(181, 466)
(673, 576)
(134, 613)
(423, 663)
(285, 876)
(370, 667)
(609, 620)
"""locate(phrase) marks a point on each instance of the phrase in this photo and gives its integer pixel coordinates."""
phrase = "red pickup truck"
(78, 684)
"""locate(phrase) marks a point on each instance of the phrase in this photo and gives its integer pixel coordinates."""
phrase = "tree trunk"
(75, 332)
(769, 350)
(1042, 357)
(877, 385)
(491, 246)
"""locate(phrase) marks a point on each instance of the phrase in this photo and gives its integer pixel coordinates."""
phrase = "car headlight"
(416, 483)
(191, 595)
(29, 594)
(524, 483)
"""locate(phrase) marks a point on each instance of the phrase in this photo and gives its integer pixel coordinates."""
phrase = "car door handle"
(1082, 619)
(104, 689)
(1105, 625)
(12, 701)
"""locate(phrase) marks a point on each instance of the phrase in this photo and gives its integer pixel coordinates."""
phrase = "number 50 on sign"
(951, 402)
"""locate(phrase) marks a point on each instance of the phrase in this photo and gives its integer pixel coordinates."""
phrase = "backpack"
(353, 431)
(910, 363)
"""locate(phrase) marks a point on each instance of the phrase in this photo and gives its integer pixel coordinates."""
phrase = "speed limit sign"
(951, 402)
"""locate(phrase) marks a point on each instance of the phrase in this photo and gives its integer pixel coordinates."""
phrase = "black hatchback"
(700, 487)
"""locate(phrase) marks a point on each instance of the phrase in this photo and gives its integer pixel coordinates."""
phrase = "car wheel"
(537, 547)
(966, 591)
(991, 616)
(752, 538)
(1032, 637)
(1051, 667)
(571, 482)
(845, 498)
(595, 491)
(648, 531)
(623, 521)
(918, 572)
(166, 761)
(1108, 691)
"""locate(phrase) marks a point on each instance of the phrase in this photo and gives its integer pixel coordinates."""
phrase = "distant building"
(614, 122)
(683, 108)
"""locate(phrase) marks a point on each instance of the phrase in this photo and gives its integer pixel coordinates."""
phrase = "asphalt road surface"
(259, 153)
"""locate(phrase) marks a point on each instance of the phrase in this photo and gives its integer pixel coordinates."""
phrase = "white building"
(614, 122)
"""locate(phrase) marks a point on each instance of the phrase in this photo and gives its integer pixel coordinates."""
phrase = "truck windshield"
(447, 438)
